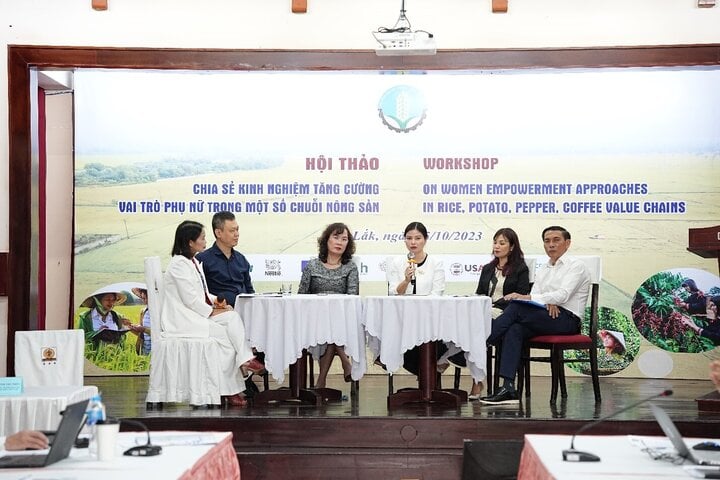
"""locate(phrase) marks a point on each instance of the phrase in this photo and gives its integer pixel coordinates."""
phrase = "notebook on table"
(698, 457)
(72, 418)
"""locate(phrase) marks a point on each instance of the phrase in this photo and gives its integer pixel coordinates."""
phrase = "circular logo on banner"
(402, 108)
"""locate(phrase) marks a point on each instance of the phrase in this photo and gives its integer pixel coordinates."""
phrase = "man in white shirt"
(559, 294)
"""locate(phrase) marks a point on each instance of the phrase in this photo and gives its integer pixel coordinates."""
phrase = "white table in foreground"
(38, 408)
(214, 459)
(395, 324)
(619, 458)
(283, 326)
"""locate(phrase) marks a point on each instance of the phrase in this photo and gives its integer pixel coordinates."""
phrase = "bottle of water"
(96, 410)
(95, 413)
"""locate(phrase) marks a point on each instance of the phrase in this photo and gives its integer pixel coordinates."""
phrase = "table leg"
(298, 391)
(427, 391)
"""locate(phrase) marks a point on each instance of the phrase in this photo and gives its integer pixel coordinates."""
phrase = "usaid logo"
(458, 269)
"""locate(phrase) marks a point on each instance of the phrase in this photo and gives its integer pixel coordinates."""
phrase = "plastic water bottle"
(96, 410)
(95, 413)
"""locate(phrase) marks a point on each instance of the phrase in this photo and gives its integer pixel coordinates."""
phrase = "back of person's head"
(690, 283)
(220, 218)
(556, 228)
(330, 230)
(187, 231)
(417, 226)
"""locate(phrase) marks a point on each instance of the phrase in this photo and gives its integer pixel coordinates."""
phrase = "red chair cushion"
(577, 339)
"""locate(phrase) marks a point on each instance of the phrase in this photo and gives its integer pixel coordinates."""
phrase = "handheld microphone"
(147, 450)
(572, 455)
(411, 261)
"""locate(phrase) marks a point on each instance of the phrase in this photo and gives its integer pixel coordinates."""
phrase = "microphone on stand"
(572, 455)
(411, 261)
(147, 450)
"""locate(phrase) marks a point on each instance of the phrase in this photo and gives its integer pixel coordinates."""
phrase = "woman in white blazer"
(190, 310)
(417, 273)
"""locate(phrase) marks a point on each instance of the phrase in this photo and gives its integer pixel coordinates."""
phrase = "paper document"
(170, 439)
(530, 302)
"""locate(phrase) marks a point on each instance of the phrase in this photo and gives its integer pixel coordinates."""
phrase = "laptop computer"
(698, 457)
(72, 418)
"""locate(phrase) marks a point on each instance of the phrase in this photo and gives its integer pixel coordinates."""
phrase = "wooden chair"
(493, 377)
(557, 344)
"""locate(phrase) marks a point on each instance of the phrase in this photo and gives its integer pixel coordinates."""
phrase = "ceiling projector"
(402, 40)
(405, 43)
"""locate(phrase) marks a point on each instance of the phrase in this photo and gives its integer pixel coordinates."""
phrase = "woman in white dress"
(417, 273)
(190, 310)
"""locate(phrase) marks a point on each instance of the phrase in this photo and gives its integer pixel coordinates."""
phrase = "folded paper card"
(10, 386)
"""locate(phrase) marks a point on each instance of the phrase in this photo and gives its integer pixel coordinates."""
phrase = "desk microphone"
(147, 450)
(411, 261)
(572, 455)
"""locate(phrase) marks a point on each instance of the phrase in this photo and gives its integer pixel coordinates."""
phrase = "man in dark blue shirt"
(227, 271)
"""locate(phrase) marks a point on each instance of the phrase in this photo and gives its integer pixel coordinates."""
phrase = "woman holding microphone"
(417, 273)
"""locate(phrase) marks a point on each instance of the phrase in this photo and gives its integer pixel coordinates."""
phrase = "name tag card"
(10, 386)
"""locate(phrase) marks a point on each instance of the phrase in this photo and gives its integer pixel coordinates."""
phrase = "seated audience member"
(333, 271)
(715, 373)
(712, 330)
(506, 273)
(25, 440)
(416, 273)
(227, 271)
(190, 310)
(562, 286)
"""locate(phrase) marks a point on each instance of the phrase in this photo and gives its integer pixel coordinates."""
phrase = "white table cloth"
(282, 326)
(395, 324)
(621, 457)
(38, 408)
(188, 456)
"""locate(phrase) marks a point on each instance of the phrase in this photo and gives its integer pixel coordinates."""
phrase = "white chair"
(181, 369)
(50, 357)
(50, 363)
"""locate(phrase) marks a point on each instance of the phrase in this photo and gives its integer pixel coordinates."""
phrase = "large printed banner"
(626, 160)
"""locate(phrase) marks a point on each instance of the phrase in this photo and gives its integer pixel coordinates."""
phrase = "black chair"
(490, 459)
